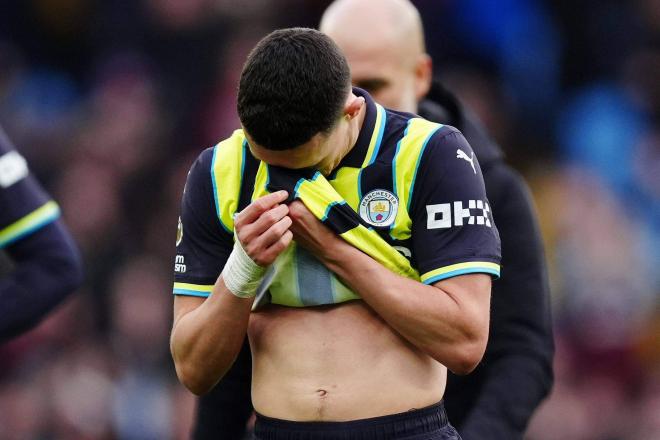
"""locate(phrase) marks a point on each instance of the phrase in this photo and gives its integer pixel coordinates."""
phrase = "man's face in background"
(383, 43)
(389, 80)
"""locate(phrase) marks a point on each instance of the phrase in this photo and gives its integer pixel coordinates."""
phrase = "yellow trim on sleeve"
(38, 218)
(461, 269)
(192, 289)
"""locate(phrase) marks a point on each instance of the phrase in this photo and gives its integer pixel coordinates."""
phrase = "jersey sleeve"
(453, 231)
(202, 245)
(24, 205)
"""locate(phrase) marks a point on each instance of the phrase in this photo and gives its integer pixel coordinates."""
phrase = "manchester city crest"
(379, 208)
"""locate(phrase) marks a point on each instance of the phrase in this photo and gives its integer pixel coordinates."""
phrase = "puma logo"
(460, 154)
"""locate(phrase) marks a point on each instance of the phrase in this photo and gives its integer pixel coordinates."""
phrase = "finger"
(258, 207)
(269, 218)
(273, 233)
(298, 209)
(270, 254)
(266, 220)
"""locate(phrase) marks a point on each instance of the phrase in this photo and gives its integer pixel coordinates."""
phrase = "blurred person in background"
(497, 400)
(45, 263)
(383, 41)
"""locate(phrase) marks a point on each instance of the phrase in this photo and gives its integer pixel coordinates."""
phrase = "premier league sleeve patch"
(379, 207)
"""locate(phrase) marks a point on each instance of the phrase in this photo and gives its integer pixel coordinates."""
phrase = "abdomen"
(336, 363)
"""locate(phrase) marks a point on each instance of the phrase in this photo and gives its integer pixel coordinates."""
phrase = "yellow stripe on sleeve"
(37, 219)
(461, 269)
(192, 289)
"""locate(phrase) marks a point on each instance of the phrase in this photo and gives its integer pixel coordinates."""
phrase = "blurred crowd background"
(111, 101)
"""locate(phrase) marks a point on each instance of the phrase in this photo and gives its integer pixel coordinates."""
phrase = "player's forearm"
(206, 340)
(452, 331)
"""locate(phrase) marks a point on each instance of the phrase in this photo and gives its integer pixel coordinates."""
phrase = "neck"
(349, 145)
(359, 122)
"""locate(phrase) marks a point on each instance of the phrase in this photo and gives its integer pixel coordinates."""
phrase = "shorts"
(428, 423)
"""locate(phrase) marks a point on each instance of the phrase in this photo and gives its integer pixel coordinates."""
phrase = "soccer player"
(343, 347)
(383, 41)
(46, 264)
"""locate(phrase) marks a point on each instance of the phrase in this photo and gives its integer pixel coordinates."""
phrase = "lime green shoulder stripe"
(226, 174)
(376, 136)
(404, 170)
(37, 219)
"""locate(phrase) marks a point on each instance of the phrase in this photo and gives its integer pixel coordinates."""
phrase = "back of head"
(294, 85)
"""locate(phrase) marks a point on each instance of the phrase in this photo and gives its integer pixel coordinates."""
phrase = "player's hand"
(309, 232)
(263, 228)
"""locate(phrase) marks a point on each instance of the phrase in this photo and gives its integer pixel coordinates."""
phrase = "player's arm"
(210, 322)
(207, 335)
(447, 320)
(46, 262)
(447, 317)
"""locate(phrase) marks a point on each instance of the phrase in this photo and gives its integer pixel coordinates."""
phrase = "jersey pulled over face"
(418, 184)
(24, 207)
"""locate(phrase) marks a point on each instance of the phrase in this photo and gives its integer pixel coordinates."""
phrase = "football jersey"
(416, 183)
(24, 206)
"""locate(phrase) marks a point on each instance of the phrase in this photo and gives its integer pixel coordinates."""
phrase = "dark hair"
(294, 85)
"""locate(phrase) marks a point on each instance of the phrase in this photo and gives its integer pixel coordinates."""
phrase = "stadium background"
(110, 101)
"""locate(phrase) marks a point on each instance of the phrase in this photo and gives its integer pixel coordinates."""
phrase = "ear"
(353, 106)
(423, 76)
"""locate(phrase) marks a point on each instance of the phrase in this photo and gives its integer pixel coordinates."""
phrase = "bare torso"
(336, 363)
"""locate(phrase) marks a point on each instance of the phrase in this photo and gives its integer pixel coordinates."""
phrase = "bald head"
(381, 21)
(383, 41)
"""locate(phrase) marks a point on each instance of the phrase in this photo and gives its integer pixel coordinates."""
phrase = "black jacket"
(497, 400)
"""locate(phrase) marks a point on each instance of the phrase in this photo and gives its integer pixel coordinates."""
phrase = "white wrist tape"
(241, 275)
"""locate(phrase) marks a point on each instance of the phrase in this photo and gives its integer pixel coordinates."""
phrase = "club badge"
(379, 208)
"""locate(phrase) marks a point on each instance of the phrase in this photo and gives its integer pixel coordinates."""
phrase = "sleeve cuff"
(37, 219)
(188, 289)
(461, 269)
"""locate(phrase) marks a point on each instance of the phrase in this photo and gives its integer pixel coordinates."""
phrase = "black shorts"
(428, 423)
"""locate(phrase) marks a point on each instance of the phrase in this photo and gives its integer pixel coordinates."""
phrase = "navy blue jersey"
(46, 265)
(417, 183)
(24, 206)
